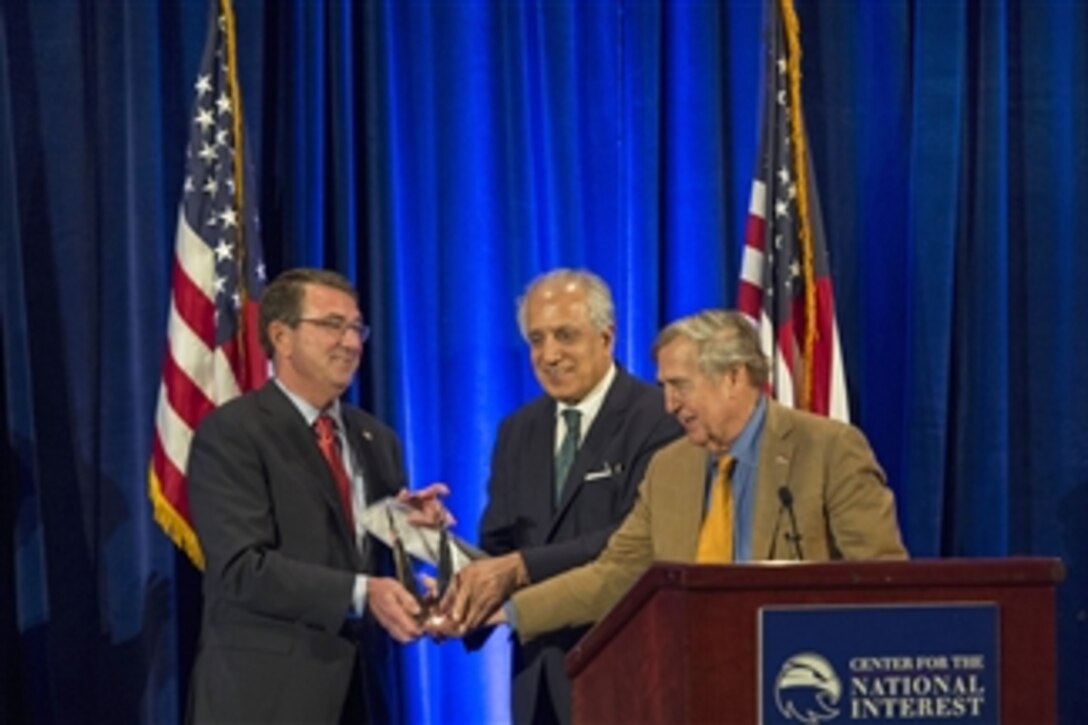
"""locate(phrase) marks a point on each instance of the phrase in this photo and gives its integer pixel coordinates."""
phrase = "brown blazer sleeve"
(860, 505)
(583, 595)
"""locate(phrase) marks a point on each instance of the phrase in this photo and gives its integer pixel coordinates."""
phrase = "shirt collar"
(308, 411)
(591, 404)
(745, 448)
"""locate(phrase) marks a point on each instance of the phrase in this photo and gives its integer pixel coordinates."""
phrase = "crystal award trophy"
(428, 600)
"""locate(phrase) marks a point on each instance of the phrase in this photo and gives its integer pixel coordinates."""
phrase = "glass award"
(406, 575)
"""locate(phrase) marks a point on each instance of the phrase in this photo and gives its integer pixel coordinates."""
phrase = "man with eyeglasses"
(564, 472)
(295, 614)
(716, 495)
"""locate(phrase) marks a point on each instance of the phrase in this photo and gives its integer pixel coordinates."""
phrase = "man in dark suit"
(293, 617)
(564, 472)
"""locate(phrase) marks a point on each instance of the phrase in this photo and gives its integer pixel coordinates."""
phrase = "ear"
(729, 381)
(741, 381)
(608, 335)
(279, 333)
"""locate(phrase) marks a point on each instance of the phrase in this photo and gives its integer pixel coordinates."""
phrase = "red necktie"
(329, 443)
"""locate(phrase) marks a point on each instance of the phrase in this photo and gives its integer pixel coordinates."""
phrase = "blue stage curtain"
(443, 153)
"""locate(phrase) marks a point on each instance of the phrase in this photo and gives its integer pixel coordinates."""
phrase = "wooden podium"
(655, 657)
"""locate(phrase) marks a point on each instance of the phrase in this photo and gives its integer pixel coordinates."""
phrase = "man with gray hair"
(564, 472)
(720, 493)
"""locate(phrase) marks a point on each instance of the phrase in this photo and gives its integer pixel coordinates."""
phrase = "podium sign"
(911, 663)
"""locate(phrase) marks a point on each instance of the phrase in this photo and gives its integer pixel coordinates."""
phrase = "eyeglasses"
(338, 326)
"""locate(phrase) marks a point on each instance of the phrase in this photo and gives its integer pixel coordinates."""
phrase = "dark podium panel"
(683, 644)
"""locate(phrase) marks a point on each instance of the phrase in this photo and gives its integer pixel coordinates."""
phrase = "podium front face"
(935, 662)
(957, 640)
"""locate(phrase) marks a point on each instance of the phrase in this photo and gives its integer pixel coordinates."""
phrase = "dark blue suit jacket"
(522, 515)
(281, 565)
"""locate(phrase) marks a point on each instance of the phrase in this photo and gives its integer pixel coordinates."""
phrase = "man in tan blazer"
(714, 374)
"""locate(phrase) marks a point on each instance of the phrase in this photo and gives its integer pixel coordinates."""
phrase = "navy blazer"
(281, 564)
(522, 515)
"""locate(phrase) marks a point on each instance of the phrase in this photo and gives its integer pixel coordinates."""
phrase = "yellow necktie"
(716, 536)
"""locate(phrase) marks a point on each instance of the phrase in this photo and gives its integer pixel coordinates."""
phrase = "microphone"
(793, 536)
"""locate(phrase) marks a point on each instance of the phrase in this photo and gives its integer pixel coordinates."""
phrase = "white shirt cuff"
(511, 614)
(358, 596)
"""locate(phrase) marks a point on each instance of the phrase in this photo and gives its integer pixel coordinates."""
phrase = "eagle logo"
(807, 689)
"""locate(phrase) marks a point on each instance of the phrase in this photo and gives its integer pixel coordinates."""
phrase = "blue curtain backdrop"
(443, 153)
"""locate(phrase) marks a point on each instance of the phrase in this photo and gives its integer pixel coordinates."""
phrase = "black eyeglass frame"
(339, 326)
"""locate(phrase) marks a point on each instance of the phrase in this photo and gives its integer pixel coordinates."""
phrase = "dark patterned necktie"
(569, 448)
(329, 443)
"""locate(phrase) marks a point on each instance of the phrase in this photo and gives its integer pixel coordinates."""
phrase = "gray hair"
(724, 339)
(602, 312)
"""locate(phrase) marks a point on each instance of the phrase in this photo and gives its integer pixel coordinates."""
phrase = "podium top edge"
(960, 572)
(805, 577)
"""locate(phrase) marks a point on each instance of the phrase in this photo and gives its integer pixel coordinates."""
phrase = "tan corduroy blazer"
(843, 505)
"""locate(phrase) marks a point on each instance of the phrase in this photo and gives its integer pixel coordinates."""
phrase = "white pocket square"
(606, 471)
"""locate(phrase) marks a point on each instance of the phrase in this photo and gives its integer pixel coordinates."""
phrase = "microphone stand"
(793, 536)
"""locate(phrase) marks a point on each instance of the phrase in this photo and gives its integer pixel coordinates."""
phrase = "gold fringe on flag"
(800, 163)
(173, 523)
(238, 172)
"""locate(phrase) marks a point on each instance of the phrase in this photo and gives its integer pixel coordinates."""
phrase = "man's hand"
(497, 617)
(427, 505)
(394, 607)
(440, 628)
(481, 588)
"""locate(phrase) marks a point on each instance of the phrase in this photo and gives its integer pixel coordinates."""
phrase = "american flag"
(785, 280)
(213, 351)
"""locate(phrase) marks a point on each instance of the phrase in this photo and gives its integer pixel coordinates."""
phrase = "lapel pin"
(368, 435)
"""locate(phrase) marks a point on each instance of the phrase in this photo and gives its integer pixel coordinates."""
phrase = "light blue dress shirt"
(745, 452)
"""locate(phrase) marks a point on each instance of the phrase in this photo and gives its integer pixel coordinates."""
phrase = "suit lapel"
(593, 449)
(775, 461)
(541, 463)
(291, 428)
(361, 440)
(685, 493)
